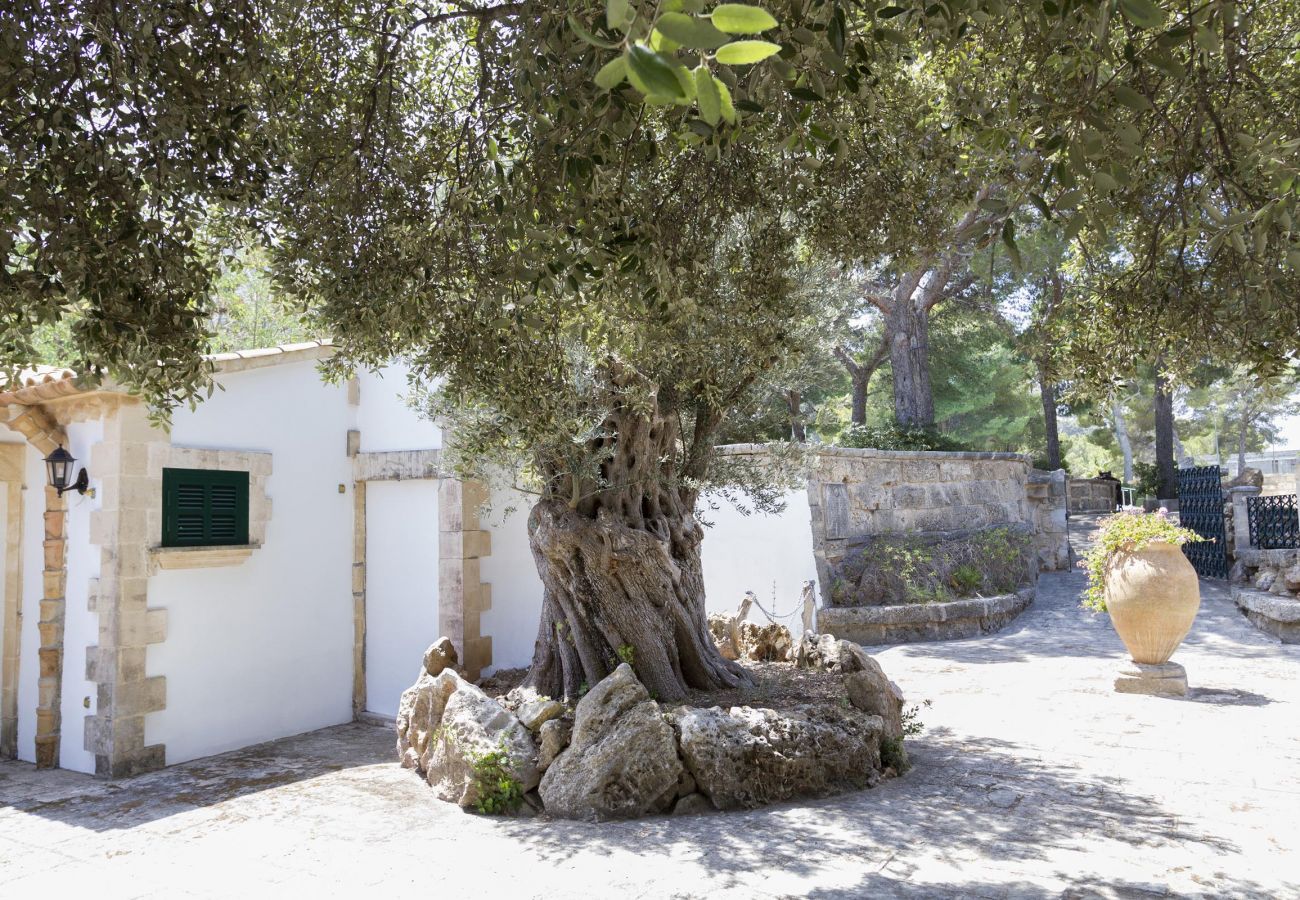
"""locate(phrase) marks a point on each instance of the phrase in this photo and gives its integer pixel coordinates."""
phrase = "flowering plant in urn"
(1138, 574)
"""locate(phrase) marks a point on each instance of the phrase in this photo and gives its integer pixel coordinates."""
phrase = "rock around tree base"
(619, 754)
(1167, 680)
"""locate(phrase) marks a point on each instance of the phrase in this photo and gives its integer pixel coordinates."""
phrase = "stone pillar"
(1240, 520)
(462, 597)
(49, 684)
(45, 435)
(129, 518)
(1047, 495)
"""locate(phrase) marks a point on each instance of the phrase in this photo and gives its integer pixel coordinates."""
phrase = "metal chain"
(773, 618)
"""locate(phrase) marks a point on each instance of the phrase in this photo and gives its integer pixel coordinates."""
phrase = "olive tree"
(580, 218)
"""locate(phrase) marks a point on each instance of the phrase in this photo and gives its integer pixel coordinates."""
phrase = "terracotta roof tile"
(41, 383)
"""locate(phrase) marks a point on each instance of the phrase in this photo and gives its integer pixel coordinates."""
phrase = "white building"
(275, 562)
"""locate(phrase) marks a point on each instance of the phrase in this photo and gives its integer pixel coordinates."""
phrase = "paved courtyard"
(1032, 779)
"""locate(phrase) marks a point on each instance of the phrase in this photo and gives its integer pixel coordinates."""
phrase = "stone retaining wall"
(924, 621)
(1092, 495)
(853, 493)
(1047, 493)
(1279, 615)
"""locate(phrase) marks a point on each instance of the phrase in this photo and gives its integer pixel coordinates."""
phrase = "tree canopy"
(586, 221)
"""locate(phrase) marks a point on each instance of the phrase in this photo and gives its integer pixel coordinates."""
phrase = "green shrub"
(966, 579)
(1126, 532)
(892, 753)
(897, 437)
(497, 789)
(935, 568)
(1147, 479)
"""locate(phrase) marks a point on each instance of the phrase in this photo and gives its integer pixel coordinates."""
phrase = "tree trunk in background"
(1048, 393)
(858, 415)
(909, 356)
(1166, 470)
(1121, 436)
(620, 569)
(794, 403)
(860, 374)
(1242, 433)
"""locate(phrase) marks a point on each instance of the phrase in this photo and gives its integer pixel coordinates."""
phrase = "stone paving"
(1032, 779)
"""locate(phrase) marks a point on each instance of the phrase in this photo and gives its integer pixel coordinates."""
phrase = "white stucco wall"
(264, 649)
(401, 586)
(33, 565)
(385, 420)
(7, 437)
(516, 587)
(81, 626)
(771, 555)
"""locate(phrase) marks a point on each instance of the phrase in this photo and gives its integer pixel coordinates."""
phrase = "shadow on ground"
(84, 802)
(965, 804)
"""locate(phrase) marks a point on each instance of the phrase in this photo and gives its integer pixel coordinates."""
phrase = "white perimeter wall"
(33, 566)
(516, 586)
(264, 649)
(401, 586)
(385, 419)
(770, 555)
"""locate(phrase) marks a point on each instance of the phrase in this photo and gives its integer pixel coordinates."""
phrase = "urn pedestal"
(1152, 596)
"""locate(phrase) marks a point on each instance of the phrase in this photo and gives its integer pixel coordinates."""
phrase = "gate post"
(1240, 518)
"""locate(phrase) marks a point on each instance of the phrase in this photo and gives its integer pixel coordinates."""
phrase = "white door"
(401, 586)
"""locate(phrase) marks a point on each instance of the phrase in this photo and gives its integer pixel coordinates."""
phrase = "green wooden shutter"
(204, 507)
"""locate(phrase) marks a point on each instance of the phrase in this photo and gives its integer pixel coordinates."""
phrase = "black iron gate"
(1274, 524)
(1200, 508)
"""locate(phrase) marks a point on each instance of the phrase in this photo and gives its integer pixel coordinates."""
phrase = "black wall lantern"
(59, 464)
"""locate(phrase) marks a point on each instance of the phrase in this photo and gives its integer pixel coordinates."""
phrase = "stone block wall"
(1092, 495)
(853, 493)
(1047, 492)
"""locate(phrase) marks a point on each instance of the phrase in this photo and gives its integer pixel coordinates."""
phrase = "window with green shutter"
(204, 508)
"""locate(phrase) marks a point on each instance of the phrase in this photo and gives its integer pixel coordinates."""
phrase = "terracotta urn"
(1152, 596)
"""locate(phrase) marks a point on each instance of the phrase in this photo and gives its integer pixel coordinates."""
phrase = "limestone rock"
(765, 643)
(726, 629)
(692, 805)
(440, 655)
(536, 713)
(744, 758)
(474, 725)
(871, 691)
(553, 737)
(827, 653)
(622, 759)
(720, 629)
(749, 640)
(1292, 578)
(419, 713)
(1264, 580)
(1249, 476)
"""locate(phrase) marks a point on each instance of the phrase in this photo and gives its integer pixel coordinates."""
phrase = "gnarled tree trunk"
(909, 356)
(620, 567)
